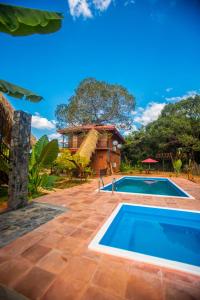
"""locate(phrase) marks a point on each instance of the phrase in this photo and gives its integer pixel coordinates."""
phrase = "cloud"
(151, 113)
(85, 8)
(102, 4)
(39, 122)
(129, 131)
(168, 89)
(55, 135)
(129, 2)
(185, 96)
(79, 8)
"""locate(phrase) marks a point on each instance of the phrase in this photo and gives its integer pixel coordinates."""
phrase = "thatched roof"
(88, 145)
(6, 120)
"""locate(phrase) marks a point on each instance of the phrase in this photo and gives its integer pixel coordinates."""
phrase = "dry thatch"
(88, 145)
(6, 121)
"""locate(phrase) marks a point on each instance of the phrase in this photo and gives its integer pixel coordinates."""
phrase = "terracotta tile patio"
(53, 262)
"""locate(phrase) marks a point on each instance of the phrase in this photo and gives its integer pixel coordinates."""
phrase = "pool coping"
(152, 195)
(136, 256)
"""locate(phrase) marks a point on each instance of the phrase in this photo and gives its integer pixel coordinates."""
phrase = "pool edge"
(149, 195)
(135, 256)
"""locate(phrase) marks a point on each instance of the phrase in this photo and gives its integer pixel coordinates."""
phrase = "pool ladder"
(113, 185)
(100, 181)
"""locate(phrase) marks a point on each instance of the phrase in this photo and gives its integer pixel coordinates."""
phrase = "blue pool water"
(151, 186)
(163, 233)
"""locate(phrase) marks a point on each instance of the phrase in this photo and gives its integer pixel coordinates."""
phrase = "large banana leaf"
(49, 153)
(16, 20)
(39, 146)
(18, 92)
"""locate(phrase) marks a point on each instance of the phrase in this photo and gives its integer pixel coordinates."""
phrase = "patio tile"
(39, 272)
(175, 291)
(64, 290)
(34, 284)
(69, 244)
(144, 287)
(12, 270)
(35, 253)
(113, 280)
(54, 262)
(51, 240)
(79, 268)
(95, 293)
(82, 234)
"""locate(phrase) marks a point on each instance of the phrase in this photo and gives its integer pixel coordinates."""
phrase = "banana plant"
(43, 154)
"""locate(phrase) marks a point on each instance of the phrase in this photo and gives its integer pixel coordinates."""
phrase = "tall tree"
(97, 102)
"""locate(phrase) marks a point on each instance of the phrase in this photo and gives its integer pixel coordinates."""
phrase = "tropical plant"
(43, 154)
(18, 92)
(126, 167)
(177, 164)
(63, 163)
(17, 20)
(97, 102)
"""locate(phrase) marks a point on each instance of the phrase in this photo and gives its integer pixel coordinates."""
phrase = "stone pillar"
(20, 148)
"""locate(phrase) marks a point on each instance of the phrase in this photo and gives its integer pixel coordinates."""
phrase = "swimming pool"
(147, 186)
(165, 237)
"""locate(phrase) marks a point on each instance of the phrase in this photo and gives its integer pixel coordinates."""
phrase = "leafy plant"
(17, 20)
(43, 154)
(126, 167)
(177, 164)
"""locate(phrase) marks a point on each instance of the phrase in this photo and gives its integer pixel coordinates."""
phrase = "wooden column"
(20, 148)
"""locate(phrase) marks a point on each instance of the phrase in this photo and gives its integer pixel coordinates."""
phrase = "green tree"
(97, 102)
(177, 127)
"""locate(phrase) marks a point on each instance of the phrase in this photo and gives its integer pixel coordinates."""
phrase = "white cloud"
(151, 113)
(127, 132)
(129, 2)
(169, 89)
(55, 135)
(102, 4)
(39, 122)
(179, 98)
(85, 8)
(79, 8)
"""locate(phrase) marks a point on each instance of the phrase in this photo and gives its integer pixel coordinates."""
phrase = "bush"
(126, 167)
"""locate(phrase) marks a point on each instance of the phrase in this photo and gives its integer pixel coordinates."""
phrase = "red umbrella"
(149, 160)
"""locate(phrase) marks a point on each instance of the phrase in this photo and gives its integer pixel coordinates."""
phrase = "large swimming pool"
(166, 237)
(147, 186)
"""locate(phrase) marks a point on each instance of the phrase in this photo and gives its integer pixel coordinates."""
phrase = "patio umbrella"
(149, 160)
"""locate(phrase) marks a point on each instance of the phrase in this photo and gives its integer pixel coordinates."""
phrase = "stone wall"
(20, 148)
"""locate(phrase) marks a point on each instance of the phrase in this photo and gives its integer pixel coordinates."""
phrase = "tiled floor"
(53, 262)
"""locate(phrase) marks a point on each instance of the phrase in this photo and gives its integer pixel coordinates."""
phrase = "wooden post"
(20, 148)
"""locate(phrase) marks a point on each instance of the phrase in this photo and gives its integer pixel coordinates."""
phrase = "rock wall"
(20, 148)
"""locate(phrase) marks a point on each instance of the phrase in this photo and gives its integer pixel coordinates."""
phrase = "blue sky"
(152, 47)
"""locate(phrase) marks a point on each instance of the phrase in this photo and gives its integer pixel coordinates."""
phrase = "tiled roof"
(111, 128)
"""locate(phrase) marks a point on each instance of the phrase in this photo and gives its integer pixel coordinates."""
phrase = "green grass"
(65, 182)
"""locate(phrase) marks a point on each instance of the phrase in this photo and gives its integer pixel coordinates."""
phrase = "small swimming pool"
(147, 186)
(165, 237)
